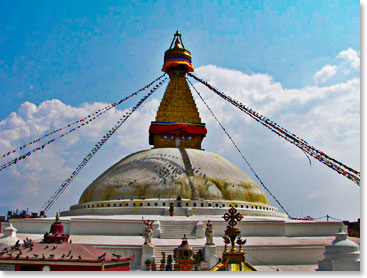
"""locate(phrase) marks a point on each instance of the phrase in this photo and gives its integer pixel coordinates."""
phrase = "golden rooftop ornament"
(233, 259)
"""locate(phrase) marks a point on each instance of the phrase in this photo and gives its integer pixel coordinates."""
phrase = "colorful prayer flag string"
(238, 149)
(83, 123)
(332, 163)
(86, 119)
(95, 149)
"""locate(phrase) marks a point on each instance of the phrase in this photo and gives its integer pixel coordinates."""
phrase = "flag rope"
(243, 157)
(82, 122)
(97, 147)
(337, 166)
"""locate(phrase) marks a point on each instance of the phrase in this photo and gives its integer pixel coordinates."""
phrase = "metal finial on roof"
(177, 39)
(57, 217)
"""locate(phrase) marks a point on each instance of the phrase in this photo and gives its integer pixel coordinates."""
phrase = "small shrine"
(341, 254)
(9, 237)
(184, 255)
(233, 259)
(56, 234)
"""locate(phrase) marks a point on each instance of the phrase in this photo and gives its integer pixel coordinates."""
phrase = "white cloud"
(327, 117)
(350, 63)
(37, 177)
(325, 73)
(351, 60)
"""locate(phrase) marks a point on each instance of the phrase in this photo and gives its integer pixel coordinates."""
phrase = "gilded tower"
(178, 123)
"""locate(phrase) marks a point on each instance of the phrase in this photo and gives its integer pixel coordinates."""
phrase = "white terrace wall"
(91, 226)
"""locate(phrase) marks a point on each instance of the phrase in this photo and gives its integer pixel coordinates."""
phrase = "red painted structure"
(62, 257)
(56, 254)
(178, 128)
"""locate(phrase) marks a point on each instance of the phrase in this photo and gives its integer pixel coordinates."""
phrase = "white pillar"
(200, 230)
(147, 254)
(156, 229)
(211, 257)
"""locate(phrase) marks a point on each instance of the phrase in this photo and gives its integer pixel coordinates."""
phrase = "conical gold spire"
(178, 123)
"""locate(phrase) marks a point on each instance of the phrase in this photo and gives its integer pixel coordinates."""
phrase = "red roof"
(65, 252)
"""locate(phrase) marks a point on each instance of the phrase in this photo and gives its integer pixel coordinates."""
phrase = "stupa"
(176, 171)
(178, 187)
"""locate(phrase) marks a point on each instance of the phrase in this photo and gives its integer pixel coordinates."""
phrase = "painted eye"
(186, 137)
(168, 137)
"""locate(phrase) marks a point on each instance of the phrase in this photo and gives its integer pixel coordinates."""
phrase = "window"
(156, 204)
(127, 204)
(236, 205)
(187, 204)
(223, 205)
(164, 204)
(216, 205)
(194, 204)
(148, 204)
(241, 206)
(202, 204)
(134, 204)
(108, 205)
(141, 204)
(210, 205)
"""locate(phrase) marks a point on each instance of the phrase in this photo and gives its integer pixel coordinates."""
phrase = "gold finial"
(177, 44)
(178, 41)
(57, 217)
(232, 216)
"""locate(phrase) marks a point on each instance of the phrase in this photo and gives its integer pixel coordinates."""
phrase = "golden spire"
(178, 123)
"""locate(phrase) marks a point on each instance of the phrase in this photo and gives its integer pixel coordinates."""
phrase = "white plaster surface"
(162, 172)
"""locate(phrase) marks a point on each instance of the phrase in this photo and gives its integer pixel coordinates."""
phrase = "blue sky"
(80, 51)
(99, 51)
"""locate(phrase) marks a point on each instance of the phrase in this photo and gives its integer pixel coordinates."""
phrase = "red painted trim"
(178, 129)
